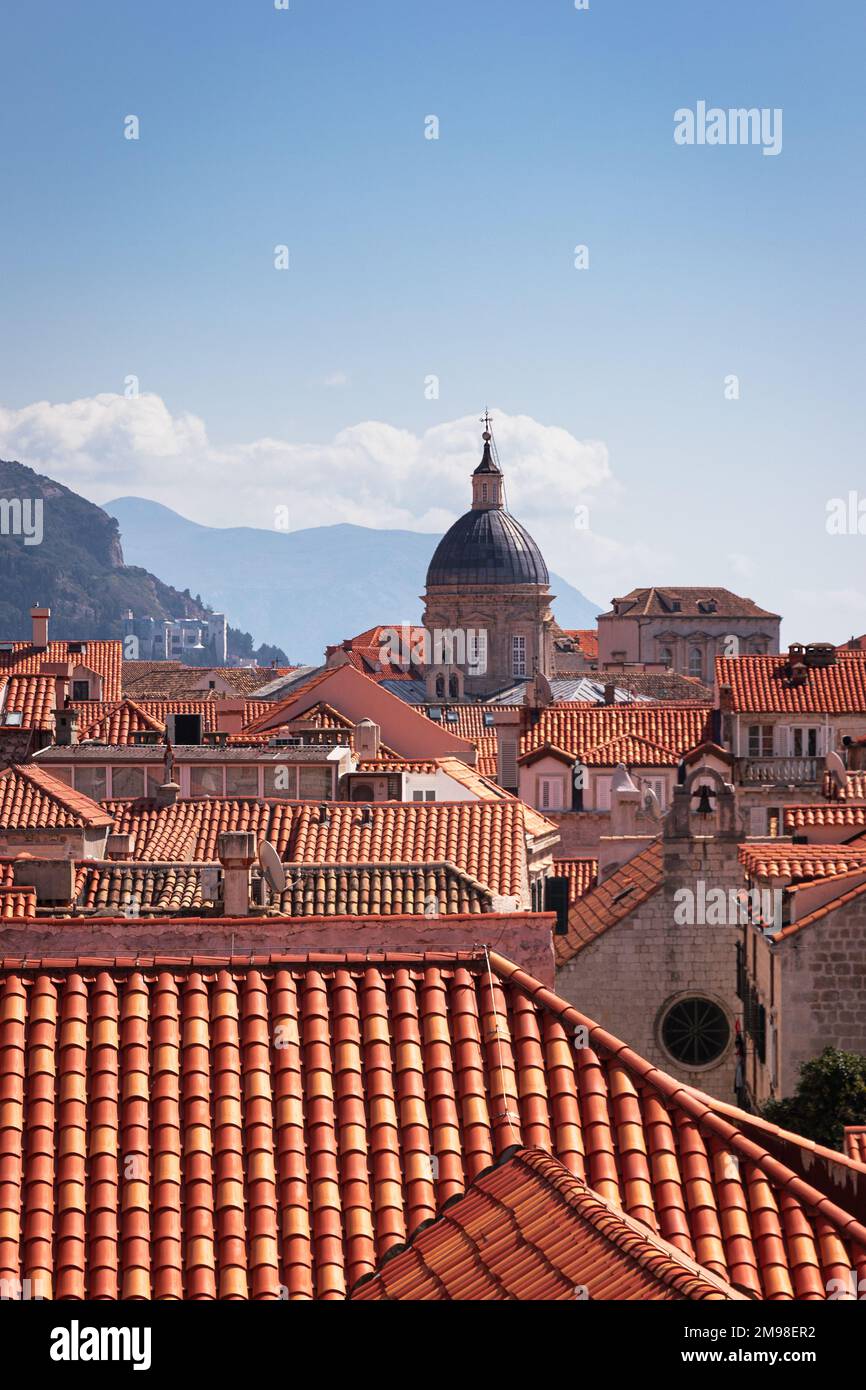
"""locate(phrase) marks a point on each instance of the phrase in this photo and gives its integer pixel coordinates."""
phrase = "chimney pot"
(167, 794)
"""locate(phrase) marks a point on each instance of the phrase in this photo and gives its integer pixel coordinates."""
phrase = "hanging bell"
(704, 806)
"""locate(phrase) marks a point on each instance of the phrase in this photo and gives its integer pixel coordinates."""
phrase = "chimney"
(53, 879)
(231, 715)
(66, 727)
(609, 693)
(367, 739)
(39, 618)
(237, 853)
(119, 847)
(167, 794)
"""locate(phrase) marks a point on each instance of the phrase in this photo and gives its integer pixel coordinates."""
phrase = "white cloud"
(372, 473)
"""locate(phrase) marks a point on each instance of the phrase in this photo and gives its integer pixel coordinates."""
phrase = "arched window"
(440, 687)
(696, 662)
(483, 492)
(453, 687)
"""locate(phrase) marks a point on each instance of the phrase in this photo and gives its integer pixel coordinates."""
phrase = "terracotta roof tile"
(837, 813)
(278, 1119)
(104, 657)
(761, 684)
(775, 859)
(484, 839)
(611, 901)
(33, 697)
(527, 1229)
(579, 729)
(855, 1142)
(31, 797)
(582, 875)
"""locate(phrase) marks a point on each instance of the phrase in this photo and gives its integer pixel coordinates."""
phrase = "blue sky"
(454, 257)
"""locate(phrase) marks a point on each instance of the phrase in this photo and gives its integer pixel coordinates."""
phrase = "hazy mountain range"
(298, 589)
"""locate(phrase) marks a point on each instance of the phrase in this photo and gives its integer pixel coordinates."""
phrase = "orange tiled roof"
(114, 722)
(582, 875)
(687, 601)
(570, 1241)
(586, 639)
(761, 684)
(799, 862)
(579, 728)
(485, 839)
(470, 724)
(104, 657)
(261, 1169)
(611, 901)
(31, 797)
(34, 698)
(166, 680)
(633, 751)
(17, 903)
(366, 652)
(855, 1142)
(837, 813)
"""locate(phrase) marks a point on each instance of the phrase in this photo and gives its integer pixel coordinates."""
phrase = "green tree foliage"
(830, 1094)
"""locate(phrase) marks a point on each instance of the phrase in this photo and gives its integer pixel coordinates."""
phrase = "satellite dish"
(651, 803)
(837, 769)
(272, 867)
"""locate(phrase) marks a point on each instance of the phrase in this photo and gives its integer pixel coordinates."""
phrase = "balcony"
(779, 772)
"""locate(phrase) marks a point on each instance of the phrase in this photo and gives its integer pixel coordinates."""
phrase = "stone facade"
(812, 986)
(631, 975)
(502, 613)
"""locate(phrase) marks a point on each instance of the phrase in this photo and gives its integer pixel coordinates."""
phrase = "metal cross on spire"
(486, 422)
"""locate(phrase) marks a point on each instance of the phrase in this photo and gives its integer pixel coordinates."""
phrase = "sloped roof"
(579, 728)
(114, 722)
(773, 859)
(761, 684)
(836, 813)
(165, 680)
(103, 657)
(528, 1230)
(660, 600)
(611, 901)
(262, 1168)
(582, 875)
(33, 697)
(855, 1142)
(30, 798)
(485, 839)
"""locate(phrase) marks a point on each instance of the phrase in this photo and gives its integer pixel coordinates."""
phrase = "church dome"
(487, 546)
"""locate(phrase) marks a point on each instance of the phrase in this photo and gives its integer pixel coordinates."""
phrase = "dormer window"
(81, 690)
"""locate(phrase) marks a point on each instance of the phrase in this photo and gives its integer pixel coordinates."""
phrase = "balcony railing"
(784, 771)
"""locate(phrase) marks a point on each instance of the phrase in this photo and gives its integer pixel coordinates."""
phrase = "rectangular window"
(760, 740)
(91, 781)
(281, 779)
(602, 793)
(241, 780)
(63, 774)
(518, 656)
(550, 793)
(804, 743)
(315, 783)
(81, 690)
(206, 781)
(127, 782)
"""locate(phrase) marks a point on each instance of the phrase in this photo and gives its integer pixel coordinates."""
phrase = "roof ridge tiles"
(694, 1102)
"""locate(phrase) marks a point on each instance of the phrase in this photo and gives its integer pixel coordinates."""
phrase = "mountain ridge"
(339, 580)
